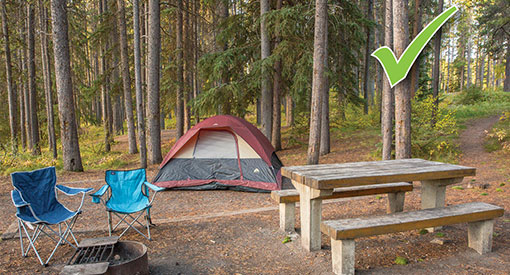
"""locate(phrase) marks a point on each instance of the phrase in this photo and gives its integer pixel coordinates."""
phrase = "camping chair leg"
(109, 222)
(131, 225)
(72, 235)
(149, 217)
(62, 238)
(31, 244)
(21, 239)
(35, 235)
(148, 227)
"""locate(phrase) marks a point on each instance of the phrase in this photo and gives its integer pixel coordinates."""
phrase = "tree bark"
(69, 134)
(21, 94)
(289, 112)
(46, 67)
(11, 93)
(387, 111)
(402, 91)
(34, 129)
(325, 144)
(138, 86)
(437, 64)
(179, 113)
(105, 79)
(506, 85)
(276, 137)
(417, 26)
(318, 82)
(366, 72)
(266, 93)
(154, 44)
(126, 78)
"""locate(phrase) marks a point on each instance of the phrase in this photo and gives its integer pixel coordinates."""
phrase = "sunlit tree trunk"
(289, 112)
(126, 78)
(69, 134)
(366, 72)
(154, 44)
(318, 82)
(46, 68)
(11, 94)
(437, 64)
(34, 127)
(179, 112)
(417, 26)
(276, 137)
(402, 91)
(387, 111)
(140, 118)
(266, 93)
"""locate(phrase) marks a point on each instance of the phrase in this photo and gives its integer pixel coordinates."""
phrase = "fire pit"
(108, 255)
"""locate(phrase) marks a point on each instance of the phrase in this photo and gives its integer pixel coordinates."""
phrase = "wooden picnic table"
(315, 182)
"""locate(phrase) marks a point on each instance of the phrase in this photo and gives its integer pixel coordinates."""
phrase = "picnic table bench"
(316, 182)
(287, 199)
(479, 216)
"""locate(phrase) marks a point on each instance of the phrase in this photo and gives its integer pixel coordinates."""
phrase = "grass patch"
(440, 234)
(484, 194)
(287, 239)
(458, 188)
(378, 197)
(502, 184)
(499, 190)
(423, 231)
(401, 260)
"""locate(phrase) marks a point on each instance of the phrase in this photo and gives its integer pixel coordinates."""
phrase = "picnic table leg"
(396, 202)
(433, 194)
(310, 208)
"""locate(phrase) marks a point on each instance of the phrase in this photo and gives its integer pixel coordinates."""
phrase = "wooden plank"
(99, 241)
(292, 195)
(405, 221)
(327, 176)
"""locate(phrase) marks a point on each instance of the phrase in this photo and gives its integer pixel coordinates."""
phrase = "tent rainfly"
(221, 152)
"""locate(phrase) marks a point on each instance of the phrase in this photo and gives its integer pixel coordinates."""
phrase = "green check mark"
(397, 70)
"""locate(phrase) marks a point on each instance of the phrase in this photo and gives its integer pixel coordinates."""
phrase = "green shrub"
(471, 96)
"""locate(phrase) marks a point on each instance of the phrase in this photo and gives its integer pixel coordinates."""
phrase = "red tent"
(221, 152)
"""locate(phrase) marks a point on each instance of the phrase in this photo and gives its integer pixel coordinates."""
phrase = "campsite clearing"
(221, 232)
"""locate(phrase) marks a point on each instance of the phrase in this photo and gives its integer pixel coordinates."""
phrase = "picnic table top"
(329, 176)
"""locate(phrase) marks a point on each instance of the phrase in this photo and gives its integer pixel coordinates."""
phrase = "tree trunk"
(11, 95)
(325, 144)
(196, 8)
(179, 114)
(46, 67)
(126, 78)
(506, 85)
(21, 93)
(387, 111)
(154, 45)
(437, 64)
(34, 129)
(276, 137)
(487, 79)
(289, 111)
(415, 69)
(105, 79)
(138, 86)
(402, 92)
(468, 77)
(366, 72)
(318, 82)
(266, 94)
(447, 85)
(188, 71)
(69, 134)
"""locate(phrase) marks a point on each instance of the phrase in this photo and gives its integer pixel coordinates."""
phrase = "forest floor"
(226, 232)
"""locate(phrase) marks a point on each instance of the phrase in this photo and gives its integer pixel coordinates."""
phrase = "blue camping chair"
(128, 194)
(36, 201)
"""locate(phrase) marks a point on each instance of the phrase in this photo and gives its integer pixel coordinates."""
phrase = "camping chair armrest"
(17, 199)
(96, 197)
(72, 191)
(154, 187)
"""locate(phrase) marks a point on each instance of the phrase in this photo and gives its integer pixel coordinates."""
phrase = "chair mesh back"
(126, 186)
(37, 188)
